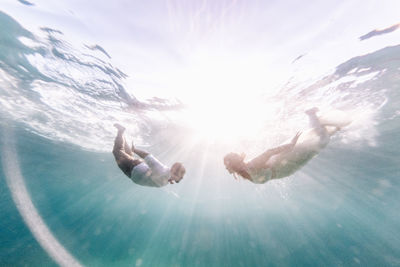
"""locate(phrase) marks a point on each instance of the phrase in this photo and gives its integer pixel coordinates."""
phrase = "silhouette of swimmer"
(146, 170)
(286, 159)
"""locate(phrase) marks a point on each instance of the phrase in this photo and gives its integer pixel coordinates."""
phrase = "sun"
(222, 98)
(223, 119)
(223, 92)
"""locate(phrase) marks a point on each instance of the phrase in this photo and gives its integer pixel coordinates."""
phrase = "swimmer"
(146, 170)
(286, 159)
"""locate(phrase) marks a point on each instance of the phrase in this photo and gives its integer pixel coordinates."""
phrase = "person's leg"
(318, 127)
(119, 142)
(127, 148)
(125, 161)
(121, 150)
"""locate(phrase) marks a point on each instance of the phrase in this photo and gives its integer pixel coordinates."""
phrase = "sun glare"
(222, 119)
(222, 98)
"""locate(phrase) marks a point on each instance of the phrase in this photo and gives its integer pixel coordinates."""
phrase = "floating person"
(286, 159)
(146, 170)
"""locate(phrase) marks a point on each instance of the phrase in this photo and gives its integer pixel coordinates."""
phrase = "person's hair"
(177, 168)
(232, 161)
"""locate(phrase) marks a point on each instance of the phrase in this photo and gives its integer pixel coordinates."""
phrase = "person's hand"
(295, 138)
(133, 147)
(171, 181)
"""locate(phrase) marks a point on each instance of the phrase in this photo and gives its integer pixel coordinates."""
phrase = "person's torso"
(150, 173)
(260, 175)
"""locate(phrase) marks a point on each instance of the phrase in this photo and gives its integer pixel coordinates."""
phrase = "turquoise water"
(58, 103)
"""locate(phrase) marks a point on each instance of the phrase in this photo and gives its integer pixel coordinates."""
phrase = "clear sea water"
(58, 103)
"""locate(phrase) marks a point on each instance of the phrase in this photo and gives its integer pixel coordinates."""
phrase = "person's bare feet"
(119, 127)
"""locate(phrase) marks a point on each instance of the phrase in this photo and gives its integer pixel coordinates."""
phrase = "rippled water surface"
(193, 81)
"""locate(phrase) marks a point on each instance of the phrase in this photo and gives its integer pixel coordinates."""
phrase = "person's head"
(177, 172)
(234, 162)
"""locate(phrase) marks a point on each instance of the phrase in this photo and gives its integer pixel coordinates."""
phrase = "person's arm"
(140, 153)
(261, 160)
(283, 148)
